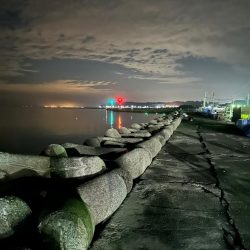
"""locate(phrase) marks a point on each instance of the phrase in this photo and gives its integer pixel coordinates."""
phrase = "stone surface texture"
(124, 131)
(91, 151)
(112, 132)
(136, 126)
(194, 195)
(93, 142)
(13, 213)
(55, 150)
(153, 146)
(135, 161)
(104, 194)
(76, 166)
(15, 165)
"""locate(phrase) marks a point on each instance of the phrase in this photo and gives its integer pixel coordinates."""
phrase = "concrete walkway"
(195, 195)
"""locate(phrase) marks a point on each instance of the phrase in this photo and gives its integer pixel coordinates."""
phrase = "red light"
(120, 100)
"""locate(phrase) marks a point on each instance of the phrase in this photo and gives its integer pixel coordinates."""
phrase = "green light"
(111, 102)
(146, 113)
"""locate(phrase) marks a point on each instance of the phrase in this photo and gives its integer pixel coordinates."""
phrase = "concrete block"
(15, 165)
(124, 131)
(103, 195)
(70, 228)
(112, 133)
(137, 135)
(91, 151)
(76, 166)
(135, 161)
(136, 126)
(55, 150)
(152, 145)
(93, 142)
(13, 213)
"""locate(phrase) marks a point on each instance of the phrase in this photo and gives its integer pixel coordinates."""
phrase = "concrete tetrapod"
(135, 161)
(153, 146)
(69, 228)
(91, 151)
(160, 138)
(137, 135)
(13, 213)
(55, 150)
(170, 127)
(153, 128)
(15, 165)
(175, 124)
(112, 132)
(136, 126)
(124, 130)
(93, 142)
(76, 166)
(104, 194)
(121, 140)
(163, 135)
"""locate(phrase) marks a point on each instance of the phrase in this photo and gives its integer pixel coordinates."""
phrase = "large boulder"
(104, 194)
(76, 166)
(135, 161)
(13, 214)
(55, 150)
(152, 145)
(124, 131)
(15, 165)
(69, 228)
(93, 142)
(112, 133)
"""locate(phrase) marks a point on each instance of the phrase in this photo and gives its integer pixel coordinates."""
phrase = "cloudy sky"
(85, 51)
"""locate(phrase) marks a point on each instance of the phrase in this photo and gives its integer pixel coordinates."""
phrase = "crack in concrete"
(231, 236)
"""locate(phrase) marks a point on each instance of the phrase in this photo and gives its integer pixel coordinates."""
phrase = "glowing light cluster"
(120, 100)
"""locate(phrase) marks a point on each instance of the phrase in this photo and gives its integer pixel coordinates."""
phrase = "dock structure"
(194, 195)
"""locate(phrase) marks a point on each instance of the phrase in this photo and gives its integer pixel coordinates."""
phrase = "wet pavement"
(194, 195)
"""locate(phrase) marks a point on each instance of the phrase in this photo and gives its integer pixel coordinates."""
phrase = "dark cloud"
(155, 44)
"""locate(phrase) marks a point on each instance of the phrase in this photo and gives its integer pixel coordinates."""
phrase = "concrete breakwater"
(58, 198)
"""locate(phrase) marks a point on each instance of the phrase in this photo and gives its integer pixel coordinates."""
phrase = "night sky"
(72, 52)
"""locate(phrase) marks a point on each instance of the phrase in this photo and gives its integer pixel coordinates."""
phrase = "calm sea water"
(30, 130)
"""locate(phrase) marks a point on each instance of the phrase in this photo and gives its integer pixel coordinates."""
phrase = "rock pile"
(82, 185)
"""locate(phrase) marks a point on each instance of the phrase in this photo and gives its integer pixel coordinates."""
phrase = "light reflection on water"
(29, 130)
(115, 119)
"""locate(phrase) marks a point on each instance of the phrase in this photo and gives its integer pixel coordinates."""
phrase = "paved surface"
(195, 195)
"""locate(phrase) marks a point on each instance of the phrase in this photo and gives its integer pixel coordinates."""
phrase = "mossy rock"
(13, 214)
(70, 228)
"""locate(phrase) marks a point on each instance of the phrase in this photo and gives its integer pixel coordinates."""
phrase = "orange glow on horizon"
(62, 105)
